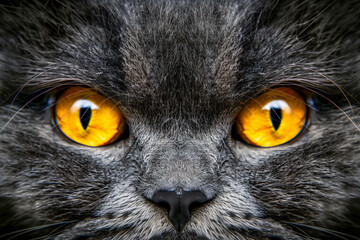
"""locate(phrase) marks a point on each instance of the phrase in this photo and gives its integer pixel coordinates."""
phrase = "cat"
(182, 76)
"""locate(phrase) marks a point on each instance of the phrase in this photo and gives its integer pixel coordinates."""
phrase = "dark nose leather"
(179, 204)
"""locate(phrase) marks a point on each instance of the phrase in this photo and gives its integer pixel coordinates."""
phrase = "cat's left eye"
(88, 118)
(276, 117)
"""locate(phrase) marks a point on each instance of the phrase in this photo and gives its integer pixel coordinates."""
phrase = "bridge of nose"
(171, 164)
(179, 165)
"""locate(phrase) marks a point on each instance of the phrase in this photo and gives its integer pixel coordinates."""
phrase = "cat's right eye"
(88, 118)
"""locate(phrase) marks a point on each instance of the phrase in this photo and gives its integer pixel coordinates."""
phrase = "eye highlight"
(273, 118)
(88, 118)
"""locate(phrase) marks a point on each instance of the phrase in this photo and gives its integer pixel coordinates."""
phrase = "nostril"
(179, 205)
(163, 205)
(195, 205)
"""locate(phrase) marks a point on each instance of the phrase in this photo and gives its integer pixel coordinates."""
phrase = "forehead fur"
(184, 59)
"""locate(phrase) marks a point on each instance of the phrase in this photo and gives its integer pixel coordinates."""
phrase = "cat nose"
(179, 204)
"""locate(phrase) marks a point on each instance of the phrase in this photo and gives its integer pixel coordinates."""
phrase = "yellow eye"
(88, 118)
(273, 118)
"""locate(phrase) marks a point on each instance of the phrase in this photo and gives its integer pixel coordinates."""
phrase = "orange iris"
(88, 118)
(273, 118)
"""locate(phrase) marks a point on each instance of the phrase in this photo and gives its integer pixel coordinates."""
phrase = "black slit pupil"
(85, 116)
(275, 116)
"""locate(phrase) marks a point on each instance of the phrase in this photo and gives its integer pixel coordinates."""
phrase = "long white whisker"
(26, 104)
(328, 231)
(31, 229)
(22, 87)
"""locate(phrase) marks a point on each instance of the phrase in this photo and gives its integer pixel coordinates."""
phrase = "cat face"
(193, 155)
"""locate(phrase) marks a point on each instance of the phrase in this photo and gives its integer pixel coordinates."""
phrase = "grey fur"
(180, 71)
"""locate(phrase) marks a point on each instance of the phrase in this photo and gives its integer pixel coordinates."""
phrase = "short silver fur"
(180, 71)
